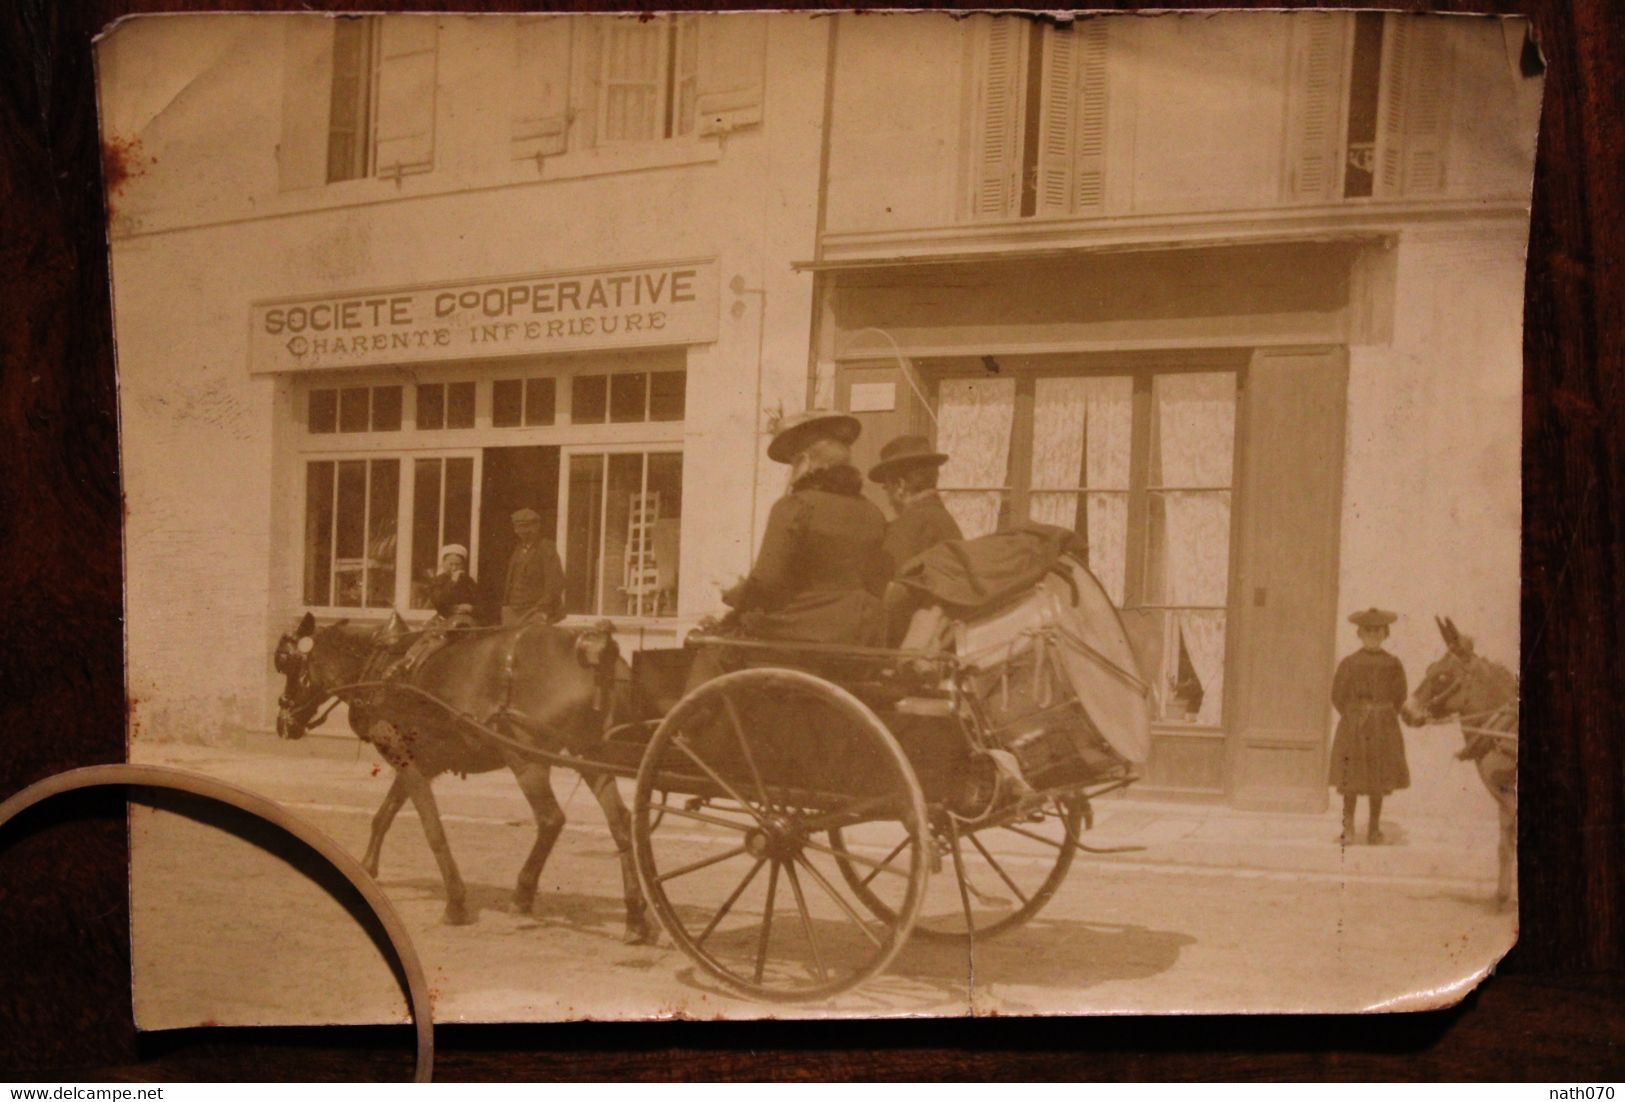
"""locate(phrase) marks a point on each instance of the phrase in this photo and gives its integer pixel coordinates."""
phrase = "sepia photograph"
(745, 515)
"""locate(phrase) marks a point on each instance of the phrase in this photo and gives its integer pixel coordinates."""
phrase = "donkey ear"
(306, 626)
(1445, 631)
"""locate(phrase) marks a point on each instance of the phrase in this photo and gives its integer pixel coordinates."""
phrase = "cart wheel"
(1010, 870)
(744, 882)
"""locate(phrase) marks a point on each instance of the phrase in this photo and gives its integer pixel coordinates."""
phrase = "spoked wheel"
(740, 872)
(1008, 870)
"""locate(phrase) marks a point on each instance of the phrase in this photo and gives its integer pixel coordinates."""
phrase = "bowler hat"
(797, 432)
(1373, 618)
(902, 453)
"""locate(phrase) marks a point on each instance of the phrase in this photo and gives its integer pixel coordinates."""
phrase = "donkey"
(536, 684)
(1483, 697)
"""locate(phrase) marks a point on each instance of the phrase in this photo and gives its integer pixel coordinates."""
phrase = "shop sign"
(626, 307)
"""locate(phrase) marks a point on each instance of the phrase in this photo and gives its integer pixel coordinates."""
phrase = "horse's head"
(1458, 683)
(312, 661)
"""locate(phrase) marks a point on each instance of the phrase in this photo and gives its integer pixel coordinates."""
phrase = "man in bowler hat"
(908, 470)
(535, 579)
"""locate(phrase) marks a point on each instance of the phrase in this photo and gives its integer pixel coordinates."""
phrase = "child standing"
(1368, 752)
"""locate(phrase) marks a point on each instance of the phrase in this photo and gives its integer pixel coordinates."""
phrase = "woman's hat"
(453, 549)
(796, 433)
(903, 453)
(1373, 618)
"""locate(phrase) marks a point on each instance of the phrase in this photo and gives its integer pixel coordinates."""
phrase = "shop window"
(627, 397)
(445, 405)
(1140, 466)
(1038, 127)
(350, 532)
(442, 513)
(353, 409)
(624, 516)
(1369, 106)
(528, 402)
(382, 103)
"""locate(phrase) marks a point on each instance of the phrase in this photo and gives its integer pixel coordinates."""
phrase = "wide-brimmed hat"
(797, 432)
(903, 453)
(453, 549)
(1373, 618)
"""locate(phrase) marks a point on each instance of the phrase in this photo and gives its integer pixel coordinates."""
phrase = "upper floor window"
(1038, 118)
(382, 102)
(1369, 106)
(582, 83)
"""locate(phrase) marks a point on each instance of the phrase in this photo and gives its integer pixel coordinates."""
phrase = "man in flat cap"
(535, 580)
(821, 567)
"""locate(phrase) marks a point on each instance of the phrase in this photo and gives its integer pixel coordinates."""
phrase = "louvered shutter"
(1058, 122)
(1414, 115)
(1319, 96)
(997, 123)
(632, 78)
(1090, 188)
(541, 114)
(307, 85)
(731, 58)
(407, 48)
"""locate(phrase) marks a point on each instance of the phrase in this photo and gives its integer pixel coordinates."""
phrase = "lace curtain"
(1082, 439)
(974, 418)
(1191, 461)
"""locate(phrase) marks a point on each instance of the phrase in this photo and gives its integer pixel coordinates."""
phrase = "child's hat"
(1373, 618)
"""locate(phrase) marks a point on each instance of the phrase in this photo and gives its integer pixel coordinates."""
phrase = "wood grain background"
(1555, 1012)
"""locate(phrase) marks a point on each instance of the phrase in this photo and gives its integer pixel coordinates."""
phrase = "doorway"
(513, 479)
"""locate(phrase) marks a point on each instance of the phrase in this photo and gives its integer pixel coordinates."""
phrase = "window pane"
(540, 399)
(318, 532)
(459, 405)
(459, 501)
(386, 408)
(974, 422)
(1189, 682)
(1193, 430)
(382, 508)
(507, 398)
(431, 406)
(665, 490)
(353, 409)
(628, 537)
(581, 548)
(425, 528)
(626, 396)
(323, 414)
(350, 533)
(666, 395)
(588, 399)
(1187, 558)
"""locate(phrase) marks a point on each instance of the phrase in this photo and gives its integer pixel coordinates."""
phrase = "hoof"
(457, 915)
(1375, 838)
(370, 868)
(641, 935)
(521, 904)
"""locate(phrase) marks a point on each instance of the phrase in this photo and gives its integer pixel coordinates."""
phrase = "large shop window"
(585, 83)
(596, 447)
(382, 104)
(1140, 465)
(624, 520)
(1038, 126)
(1369, 109)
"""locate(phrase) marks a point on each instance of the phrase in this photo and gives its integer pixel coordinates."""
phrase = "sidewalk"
(1458, 850)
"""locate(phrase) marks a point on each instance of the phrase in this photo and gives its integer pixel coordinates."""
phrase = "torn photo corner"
(743, 515)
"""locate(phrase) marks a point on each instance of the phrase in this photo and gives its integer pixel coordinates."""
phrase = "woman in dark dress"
(1368, 751)
(453, 592)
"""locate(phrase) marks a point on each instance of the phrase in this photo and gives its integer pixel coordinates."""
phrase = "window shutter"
(1058, 122)
(1318, 95)
(307, 76)
(1416, 124)
(406, 95)
(1090, 189)
(731, 60)
(541, 115)
(997, 122)
(631, 80)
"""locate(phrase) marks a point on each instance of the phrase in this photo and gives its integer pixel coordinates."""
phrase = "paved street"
(1257, 913)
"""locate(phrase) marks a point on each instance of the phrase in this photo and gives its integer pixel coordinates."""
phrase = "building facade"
(1235, 298)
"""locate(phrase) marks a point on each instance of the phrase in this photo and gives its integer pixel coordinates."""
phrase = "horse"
(1483, 696)
(534, 683)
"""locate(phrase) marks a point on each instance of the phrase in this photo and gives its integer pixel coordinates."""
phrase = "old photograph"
(789, 514)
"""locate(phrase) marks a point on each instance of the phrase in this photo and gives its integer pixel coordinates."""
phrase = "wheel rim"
(739, 873)
(1012, 869)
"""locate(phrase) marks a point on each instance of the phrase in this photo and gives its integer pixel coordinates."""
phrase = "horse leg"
(1506, 848)
(535, 781)
(422, 797)
(639, 930)
(381, 823)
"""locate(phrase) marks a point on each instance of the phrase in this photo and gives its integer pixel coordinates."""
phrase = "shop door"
(513, 479)
(1286, 601)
